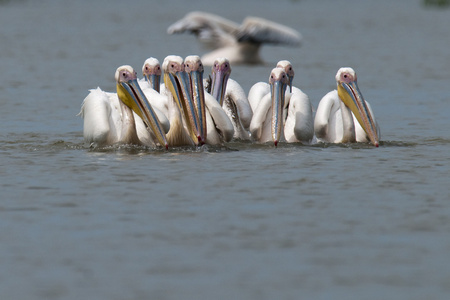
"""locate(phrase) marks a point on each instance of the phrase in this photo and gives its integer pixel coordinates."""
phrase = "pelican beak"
(154, 80)
(352, 97)
(219, 84)
(278, 89)
(291, 78)
(136, 100)
(198, 95)
(179, 86)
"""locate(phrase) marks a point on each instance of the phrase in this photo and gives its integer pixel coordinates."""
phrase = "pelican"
(343, 116)
(109, 118)
(281, 118)
(152, 73)
(299, 123)
(219, 127)
(185, 127)
(239, 43)
(231, 96)
(152, 87)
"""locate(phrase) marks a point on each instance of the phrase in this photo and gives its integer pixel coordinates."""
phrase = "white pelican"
(220, 129)
(185, 127)
(152, 73)
(239, 43)
(152, 87)
(109, 118)
(281, 118)
(300, 120)
(231, 96)
(343, 116)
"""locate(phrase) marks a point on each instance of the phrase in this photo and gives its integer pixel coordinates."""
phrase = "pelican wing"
(222, 123)
(236, 93)
(256, 93)
(325, 127)
(260, 124)
(300, 121)
(262, 31)
(212, 30)
(102, 118)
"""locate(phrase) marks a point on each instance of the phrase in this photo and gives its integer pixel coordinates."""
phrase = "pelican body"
(119, 118)
(343, 116)
(239, 43)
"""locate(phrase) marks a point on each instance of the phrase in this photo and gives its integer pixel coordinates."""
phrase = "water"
(243, 221)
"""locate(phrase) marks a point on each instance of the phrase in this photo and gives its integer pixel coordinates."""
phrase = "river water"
(243, 221)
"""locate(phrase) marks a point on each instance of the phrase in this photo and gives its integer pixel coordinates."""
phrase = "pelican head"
(350, 94)
(287, 67)
(221, 71)
(152, 72)
(278, 82)
(130, 93)
(177, 82)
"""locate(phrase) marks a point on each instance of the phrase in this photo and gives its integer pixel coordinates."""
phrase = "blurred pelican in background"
(240, 44)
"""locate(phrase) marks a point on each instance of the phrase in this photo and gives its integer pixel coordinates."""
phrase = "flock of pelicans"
(188, 110)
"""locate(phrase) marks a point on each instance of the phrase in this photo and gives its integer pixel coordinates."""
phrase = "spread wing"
(262, 31)
(212, 30)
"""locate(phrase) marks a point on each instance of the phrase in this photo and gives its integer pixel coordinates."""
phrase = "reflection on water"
(245, 220)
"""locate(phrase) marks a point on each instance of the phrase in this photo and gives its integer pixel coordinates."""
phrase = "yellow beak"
(179, 86)
(352, 98)
(131, 94)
